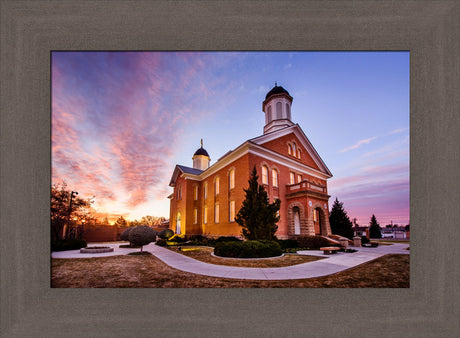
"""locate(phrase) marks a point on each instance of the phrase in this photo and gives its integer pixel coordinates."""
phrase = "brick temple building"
(206, 198)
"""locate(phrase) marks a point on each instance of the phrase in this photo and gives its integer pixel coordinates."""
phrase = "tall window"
(232, 211)
(179, 192)
(195, 216)
(231, 179)
(195, 195)
(291, 178)
(294, 149)
(298, 153)
(264, 175)
(275, 177)
(216, 187)
(205, 215)
(299, 178)
(205, 190)
(216, 213)
(178, 223)
(279, 112)
(289, 149)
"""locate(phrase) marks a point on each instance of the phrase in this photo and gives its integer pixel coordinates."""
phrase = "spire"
(275, 84)
(201, 143)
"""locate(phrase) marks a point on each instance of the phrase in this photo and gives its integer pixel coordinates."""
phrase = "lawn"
(390, 271)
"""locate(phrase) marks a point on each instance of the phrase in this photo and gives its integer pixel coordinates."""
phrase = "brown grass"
(204, 254)
(390, 271)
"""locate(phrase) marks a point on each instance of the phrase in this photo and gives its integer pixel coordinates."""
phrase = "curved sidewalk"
(332, 264)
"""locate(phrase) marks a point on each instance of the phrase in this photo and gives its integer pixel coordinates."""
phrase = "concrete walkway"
(332, 264)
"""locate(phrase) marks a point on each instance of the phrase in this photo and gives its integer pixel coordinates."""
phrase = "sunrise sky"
(122, 120)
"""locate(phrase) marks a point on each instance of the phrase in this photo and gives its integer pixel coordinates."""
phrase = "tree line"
(69, 212)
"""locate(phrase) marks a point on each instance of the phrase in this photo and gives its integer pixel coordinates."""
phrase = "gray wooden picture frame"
(31, 29)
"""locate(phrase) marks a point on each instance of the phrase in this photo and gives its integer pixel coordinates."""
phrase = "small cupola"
(201, 158)
(277, 109)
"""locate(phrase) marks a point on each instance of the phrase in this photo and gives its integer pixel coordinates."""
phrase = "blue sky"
(122, 120)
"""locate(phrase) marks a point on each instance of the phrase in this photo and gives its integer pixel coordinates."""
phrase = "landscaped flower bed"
(96, 249)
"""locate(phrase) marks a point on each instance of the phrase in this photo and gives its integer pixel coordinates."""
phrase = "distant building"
(360, 231)
(207, 198)
(394, 232)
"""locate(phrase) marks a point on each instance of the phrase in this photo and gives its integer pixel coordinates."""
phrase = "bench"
(330, 249)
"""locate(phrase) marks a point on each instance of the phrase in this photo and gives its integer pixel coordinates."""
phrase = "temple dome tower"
(201, 158)
(277, 109)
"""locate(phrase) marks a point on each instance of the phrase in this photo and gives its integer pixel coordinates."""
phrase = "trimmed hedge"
(166, 233)
(248, 249)
(142, 235)
(227, 239)
(178, 238)
(312, 242)
(124, 236)
(68, 244)
(364, 240)
(287, 243)
(161, 242)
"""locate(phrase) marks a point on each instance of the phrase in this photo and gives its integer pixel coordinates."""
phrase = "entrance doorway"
(317, 220)
(296, 211)
(178, 220)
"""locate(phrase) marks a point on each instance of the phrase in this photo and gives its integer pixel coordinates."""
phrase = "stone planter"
(96, 250)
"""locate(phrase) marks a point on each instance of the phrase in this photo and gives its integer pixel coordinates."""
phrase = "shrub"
(177, 238)
(201, 240)
(124, 236)
(128, 246)
(248, 249)
(364, 240)
(139, 253)
(312, 242)
(68, 244)
(161, 242)
(142, 235)
(287, 244)
(227, 239)
(166, 233)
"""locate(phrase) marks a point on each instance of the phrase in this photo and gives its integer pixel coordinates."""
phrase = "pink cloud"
(114, 132)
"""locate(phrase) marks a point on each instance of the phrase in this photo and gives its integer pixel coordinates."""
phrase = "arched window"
(216, 186)
(296, 211)
(179, 192)
(270, 117)
(294, 149)
(288, 112)
(195, 194)
(205, 215)
(264, 174)
(232, 211)
(178, 223)
(231, 179)
(289, 149)
(279, 111)
(205, 190)
(298, 153)
(275, 177)
(216, 213)
(195, 216)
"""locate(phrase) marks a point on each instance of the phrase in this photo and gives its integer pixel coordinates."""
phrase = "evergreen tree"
(374, 230)
(339, 220)
(257, 216)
